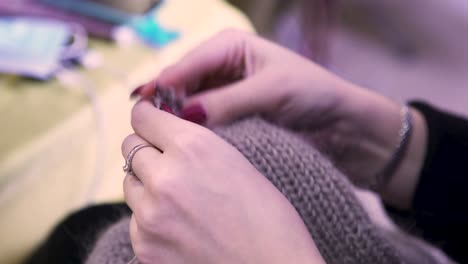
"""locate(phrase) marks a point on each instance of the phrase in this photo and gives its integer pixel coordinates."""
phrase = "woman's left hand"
(201, 201)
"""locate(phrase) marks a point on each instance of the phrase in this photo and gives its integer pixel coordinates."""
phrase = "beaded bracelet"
(382, 178)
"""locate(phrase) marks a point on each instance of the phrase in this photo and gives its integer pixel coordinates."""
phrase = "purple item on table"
(34, 8)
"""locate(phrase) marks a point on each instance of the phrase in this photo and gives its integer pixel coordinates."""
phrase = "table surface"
(59, 152)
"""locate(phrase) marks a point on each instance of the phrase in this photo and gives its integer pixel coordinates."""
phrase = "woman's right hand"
(236, 74)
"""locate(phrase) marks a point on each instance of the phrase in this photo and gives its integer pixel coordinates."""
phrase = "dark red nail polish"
(136, 92)
(166, 108)
(195, 114)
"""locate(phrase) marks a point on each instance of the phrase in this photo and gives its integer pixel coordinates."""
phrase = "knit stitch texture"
(322, 196)
(114, 246)
(320, 193)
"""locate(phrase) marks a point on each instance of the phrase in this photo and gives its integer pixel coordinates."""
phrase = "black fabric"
(72, 239)
(440, 205)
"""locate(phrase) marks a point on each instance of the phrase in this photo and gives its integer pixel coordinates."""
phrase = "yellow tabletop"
(58, 151)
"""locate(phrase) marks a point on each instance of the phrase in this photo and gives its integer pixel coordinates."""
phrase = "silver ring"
(127, 168)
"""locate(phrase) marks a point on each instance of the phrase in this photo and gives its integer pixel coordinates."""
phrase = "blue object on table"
(148, 29)
(145, 26)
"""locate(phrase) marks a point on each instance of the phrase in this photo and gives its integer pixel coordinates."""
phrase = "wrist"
(400, 190)
(368, 133)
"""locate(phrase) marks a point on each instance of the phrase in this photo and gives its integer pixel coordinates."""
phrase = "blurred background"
(67, 68)
(403, 49)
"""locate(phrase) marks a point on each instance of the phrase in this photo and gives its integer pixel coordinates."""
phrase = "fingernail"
(136, 92)
(166, 108)
(195, 114)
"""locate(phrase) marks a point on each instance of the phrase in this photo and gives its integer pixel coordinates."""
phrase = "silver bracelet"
(382, 178)
(133, 260)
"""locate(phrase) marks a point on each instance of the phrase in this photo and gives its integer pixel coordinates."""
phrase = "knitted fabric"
(114, 246)
(322, 196)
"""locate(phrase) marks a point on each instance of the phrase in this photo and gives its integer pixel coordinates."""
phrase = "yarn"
(322, 195)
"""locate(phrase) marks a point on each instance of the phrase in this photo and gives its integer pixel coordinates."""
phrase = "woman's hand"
(236, 74)
(201, 201)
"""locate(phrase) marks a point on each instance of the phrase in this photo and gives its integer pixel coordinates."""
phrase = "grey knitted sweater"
(323, 197)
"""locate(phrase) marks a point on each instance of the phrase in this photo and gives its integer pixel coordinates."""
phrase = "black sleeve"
(440, 204)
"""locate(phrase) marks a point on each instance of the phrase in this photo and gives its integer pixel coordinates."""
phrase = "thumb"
(228, 103)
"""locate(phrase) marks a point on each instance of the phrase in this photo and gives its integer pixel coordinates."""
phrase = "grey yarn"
(321, 194)
(114, 245)
(323, 197)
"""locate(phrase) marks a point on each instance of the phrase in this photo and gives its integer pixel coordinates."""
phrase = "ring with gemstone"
(127, 168)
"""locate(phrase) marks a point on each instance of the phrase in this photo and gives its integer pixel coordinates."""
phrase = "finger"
(145, 91)
(141, 241)
(145, 161)
(134, 232)
(135, 236)
(222, 52)
(149, 89)
(157, 127)
(228, 103)
(133, 192)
